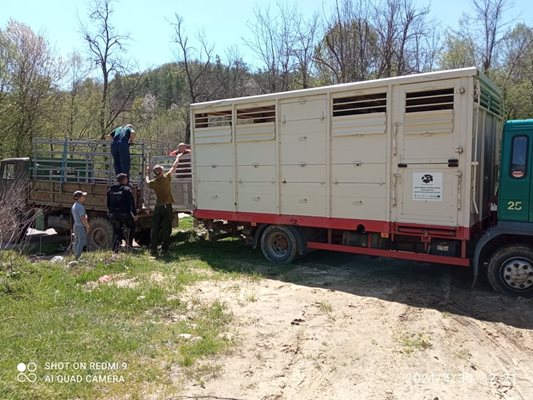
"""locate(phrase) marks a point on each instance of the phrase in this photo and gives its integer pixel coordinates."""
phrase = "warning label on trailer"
(427, 186)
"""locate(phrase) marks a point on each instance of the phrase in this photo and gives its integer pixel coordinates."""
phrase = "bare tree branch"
(104, 45)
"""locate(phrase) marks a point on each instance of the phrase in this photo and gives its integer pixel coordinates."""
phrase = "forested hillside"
(88, 93)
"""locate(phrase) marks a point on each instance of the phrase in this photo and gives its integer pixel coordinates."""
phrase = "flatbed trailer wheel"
(510, 271)
(100, 235)
(279, 243)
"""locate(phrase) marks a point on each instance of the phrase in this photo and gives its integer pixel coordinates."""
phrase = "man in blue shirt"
(81, 224)
(122, 137)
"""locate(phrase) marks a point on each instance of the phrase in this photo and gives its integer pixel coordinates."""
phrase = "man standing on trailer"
(182, 148)
(185, 159)
(81, 224)
(162, 217)
(122, 211)
(122, 137)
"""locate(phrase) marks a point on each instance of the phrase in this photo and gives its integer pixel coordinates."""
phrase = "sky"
(149, 22)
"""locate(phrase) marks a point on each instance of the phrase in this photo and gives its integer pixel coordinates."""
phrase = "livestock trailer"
(404, 167)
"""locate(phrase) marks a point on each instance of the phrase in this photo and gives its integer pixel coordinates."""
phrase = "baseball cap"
(79, 193)
(158, 166)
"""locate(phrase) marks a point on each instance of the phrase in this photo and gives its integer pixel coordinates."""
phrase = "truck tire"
(100, 234)
(510, 271)
(279, 244)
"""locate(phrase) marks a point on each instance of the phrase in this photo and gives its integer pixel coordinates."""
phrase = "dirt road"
(345, 327)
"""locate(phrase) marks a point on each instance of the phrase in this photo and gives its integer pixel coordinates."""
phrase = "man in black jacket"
(122, 211)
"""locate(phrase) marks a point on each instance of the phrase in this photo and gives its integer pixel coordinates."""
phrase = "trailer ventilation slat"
(256, 115)
(363, 104)
(429, 100)
(490, 100)
(212, 119)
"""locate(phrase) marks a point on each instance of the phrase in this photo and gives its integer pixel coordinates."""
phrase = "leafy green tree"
(29, 76)
(457, 52)
(514, 74)
(80, 101)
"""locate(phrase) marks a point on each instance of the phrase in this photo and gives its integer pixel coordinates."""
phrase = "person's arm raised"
(147, 175)
(175, 165)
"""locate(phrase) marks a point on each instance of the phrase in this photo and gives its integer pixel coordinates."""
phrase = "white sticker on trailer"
(427, 186)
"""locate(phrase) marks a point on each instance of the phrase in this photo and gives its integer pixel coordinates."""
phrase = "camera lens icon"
(22, 368)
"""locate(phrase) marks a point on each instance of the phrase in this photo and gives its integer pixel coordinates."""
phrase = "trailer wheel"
(510, 271)
(279, 244)
(100, 234)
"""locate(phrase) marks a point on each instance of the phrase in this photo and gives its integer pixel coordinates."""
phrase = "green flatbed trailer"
(59, 167)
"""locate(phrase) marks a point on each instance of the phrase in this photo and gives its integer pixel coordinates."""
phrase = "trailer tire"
(279, 243)
(100, 235)
(510, 271)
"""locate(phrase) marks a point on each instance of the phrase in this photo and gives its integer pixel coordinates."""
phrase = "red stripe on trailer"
(450, 232)
(437, 231)
(300, 220)
(403, 255)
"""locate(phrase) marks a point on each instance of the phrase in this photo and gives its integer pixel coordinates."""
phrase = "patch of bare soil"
(118, 280)
(364, 328)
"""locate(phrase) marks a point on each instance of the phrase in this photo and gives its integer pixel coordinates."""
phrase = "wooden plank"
(42, 185)
(41, 196)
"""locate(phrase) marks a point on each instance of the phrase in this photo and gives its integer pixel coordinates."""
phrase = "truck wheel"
(510, 271)
(100, 235)
(279, 244)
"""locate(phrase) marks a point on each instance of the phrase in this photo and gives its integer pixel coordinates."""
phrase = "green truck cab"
(515, 178)
(505, 250)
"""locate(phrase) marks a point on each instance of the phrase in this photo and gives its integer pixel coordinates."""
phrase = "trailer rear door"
(426, 152)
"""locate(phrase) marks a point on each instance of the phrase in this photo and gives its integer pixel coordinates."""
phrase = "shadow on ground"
(443, 288)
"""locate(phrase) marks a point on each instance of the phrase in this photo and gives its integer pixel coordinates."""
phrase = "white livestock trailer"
(401, 167)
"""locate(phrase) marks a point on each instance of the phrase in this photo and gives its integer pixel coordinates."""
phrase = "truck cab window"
(519, 157)
(9, 171)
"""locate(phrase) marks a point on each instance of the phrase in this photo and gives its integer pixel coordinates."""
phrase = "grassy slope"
(49, 313)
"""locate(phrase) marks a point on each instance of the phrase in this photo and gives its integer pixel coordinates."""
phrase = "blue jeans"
(81, 240)
(121, 157)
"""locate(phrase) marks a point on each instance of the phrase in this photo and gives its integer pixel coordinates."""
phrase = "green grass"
(186, 224)
(325, 307)
(52, 314)
(251, 297)
(414, 342)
